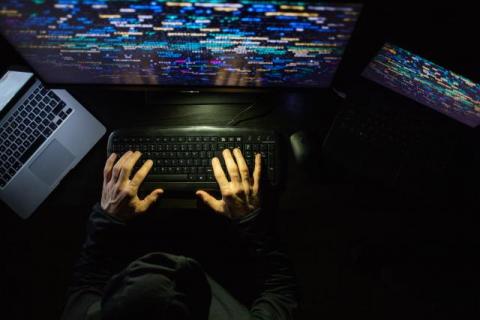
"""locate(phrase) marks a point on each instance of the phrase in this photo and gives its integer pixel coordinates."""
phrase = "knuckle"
(237, 191)
(227, 193)
(244, 171)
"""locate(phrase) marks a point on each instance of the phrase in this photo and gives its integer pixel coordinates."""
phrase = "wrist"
(248, 217)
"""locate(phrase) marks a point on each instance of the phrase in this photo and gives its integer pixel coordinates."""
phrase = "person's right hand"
(240, 195)
(119, 194)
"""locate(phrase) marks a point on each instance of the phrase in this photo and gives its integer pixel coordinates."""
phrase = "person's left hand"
(119, 194)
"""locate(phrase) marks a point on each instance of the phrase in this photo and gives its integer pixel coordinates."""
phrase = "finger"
(218, 173)
(231, 166)
(150, 199)
(242, 165)
(257, 173)
(141, 174)
(128, 165)
(209, 200)
(117, 168)
(107, 170)
(243, 168)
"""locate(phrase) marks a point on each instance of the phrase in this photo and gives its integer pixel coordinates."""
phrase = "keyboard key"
(31, 150)
(59, 107)
(47, 131)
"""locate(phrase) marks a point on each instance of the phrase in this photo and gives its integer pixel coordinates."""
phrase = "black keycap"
(59, 107)
(52, 126)
(33, 147)
(168, 177)
(47, 131)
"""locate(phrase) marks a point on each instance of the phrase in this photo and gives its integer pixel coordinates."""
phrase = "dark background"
(359, 249)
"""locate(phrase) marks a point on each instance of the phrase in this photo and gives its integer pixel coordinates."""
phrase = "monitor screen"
(221, 43)
(427, 83)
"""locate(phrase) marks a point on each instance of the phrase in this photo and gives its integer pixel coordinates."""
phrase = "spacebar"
(31, 150)
(168, 177)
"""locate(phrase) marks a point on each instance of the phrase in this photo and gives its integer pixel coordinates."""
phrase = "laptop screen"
(427, 83)
(241, 43)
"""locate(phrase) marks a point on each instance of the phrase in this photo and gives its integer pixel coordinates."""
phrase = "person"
(107, 284)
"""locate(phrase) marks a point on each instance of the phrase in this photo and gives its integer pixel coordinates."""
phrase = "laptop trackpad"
(52, 162)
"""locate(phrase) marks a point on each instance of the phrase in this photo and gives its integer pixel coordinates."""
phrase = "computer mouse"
(302, 146)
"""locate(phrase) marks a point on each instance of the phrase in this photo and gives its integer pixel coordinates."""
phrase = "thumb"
(209, 200)
(150, 199)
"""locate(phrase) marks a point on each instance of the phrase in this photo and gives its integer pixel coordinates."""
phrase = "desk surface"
(321, 218)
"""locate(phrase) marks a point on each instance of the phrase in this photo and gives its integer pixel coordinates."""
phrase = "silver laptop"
(43, 135)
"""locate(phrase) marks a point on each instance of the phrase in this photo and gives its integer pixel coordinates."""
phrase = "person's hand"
(240, 195)
(119, 194)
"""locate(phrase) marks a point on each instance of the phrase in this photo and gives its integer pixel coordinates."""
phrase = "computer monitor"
(216, 43)
(427, 83)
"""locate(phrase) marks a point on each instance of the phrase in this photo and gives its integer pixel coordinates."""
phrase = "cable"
(255, 117)
(232, 121)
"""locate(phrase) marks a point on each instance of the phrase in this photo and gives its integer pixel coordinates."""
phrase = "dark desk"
(324, 220)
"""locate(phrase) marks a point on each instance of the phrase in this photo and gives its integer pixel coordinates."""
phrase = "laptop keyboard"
(182, 159)
(25, 130)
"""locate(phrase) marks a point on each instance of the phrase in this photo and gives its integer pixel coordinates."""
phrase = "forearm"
(277, 291)
(100, 257)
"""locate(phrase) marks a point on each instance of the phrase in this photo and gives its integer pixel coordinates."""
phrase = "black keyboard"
(27, 127)
(182, 155)
(386, 130)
